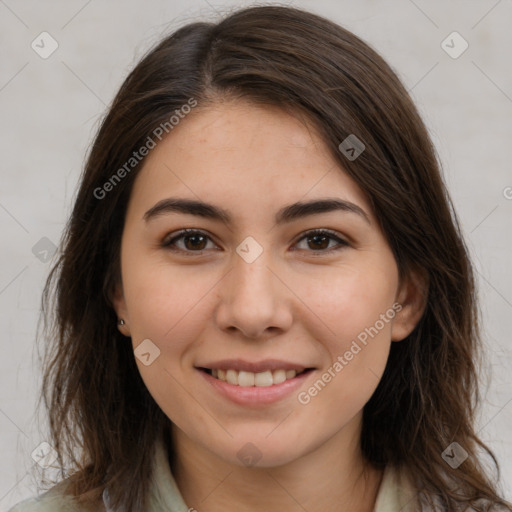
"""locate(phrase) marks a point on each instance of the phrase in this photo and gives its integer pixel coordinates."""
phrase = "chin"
(259, 452)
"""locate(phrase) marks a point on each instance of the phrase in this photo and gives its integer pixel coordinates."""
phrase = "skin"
(294, 303)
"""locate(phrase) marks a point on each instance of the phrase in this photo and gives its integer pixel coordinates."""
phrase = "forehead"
(251, 156)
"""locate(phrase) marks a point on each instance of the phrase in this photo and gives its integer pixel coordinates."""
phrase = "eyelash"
(168, 244)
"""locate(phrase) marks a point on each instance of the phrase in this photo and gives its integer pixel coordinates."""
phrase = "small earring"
(121, 322)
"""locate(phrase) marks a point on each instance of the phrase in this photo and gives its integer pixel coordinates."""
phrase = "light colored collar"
(164, 494)
(395, 492)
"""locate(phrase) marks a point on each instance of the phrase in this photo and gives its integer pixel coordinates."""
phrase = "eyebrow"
(284, 215)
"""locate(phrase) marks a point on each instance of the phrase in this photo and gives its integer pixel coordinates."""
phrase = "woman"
(264, 301)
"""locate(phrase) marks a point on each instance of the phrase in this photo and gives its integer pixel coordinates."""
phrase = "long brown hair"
(102, 419)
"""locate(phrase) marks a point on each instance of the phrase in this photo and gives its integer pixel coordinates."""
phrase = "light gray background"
(50, 109)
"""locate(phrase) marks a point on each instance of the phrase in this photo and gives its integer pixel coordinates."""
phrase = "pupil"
(194, 245)
(323, 237)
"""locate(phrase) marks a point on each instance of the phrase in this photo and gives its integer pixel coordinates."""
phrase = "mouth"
(265, 378)
(254, 384)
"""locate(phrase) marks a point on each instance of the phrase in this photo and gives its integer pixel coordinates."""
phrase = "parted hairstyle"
(103, 421)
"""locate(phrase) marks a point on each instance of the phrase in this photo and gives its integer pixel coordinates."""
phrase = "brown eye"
(319, 241)
(192, 241)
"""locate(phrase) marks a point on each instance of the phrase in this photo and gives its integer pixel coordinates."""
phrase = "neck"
(333, 477)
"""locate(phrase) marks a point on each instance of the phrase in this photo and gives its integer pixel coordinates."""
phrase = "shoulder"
(46, 504)
(53, 500)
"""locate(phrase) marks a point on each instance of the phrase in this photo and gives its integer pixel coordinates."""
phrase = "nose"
(254, 299)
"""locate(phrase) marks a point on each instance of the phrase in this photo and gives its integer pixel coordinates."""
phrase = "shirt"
(395, 493)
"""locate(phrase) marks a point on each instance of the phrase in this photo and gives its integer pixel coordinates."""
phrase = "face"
(270, 321)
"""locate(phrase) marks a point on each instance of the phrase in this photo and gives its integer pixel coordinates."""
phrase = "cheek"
(354, 305)
(358, 313)
(173, 395)
(342, 390)
(164, 301)
(165, 308)
(351, 298)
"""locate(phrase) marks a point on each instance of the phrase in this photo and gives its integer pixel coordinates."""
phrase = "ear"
(119, 304)
(412, 296)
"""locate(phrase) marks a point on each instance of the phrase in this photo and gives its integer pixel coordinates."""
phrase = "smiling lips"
(255, 385)
(262, 379)
(246, 374)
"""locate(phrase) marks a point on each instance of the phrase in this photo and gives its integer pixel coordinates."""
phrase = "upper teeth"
(267, 378)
